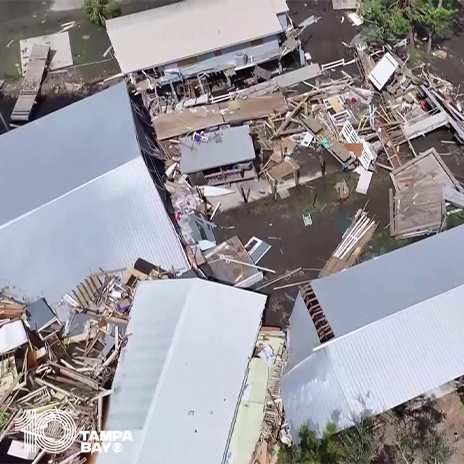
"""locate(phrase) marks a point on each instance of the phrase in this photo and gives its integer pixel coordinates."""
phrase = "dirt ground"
(88, 43)
(295, 245)
(453, 410)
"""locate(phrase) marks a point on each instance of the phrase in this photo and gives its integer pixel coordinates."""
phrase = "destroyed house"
(76, 196)
(377, 335)
(218, 157)
(191, 37)
(181, 377)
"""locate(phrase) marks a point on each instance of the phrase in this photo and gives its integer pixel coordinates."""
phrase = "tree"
(311, 449)
(436, 448)
(435, 20)
(391, 19)
(387, 21)
(98, 11)
(359, 444)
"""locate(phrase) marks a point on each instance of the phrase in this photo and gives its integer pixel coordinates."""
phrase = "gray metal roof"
(382, 286)
(180, 377)
(302, 336)
(75, 196)
(225, 146)
(379, 366)
(62, 151)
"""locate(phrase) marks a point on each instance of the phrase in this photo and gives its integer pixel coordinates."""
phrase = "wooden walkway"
(32, 82)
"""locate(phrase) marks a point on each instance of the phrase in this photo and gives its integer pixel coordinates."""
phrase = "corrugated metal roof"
(382, 286)
(225, 146)
(380, 366)
(75, 196)
(189, 28)
(179, 380)
(55, 154)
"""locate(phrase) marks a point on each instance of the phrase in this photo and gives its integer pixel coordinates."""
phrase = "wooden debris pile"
(64, 358)
(354, 240)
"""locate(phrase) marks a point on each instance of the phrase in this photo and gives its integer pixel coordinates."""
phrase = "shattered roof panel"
(181, 395)
(222, 23)
(380, 366)
(394, 281)
(224, 147)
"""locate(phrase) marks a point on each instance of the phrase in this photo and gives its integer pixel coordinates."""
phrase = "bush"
(98, 11)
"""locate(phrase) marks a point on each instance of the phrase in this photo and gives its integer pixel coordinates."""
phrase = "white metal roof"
(76, 196)
(225, 146)
(180, 377)
(394, 281)
(189, 28)
(379, 366)
(280, 6)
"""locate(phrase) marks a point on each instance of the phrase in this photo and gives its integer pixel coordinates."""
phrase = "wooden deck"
(31, 83)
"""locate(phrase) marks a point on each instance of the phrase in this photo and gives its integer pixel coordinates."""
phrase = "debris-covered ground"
(359, 157)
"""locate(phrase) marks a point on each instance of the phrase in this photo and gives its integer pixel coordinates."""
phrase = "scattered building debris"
(60, 50)
(32, 81)
(354, 240)
(66, 364)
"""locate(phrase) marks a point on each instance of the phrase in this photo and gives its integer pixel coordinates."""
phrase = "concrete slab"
(61, 56)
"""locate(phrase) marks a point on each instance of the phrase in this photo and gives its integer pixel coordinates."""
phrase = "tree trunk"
(440, 3)
(429, 44)
(411, 38)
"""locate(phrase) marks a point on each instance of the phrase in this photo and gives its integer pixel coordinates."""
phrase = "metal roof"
(394, 281)
(302, 335)
(189, 28)
(180, 378)
(224, 147)
(380, 366)
(75, 196)
(280, 6)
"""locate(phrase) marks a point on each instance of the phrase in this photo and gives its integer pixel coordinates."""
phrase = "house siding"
(209, 60)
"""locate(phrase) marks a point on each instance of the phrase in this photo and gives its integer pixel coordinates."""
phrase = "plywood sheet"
(422, 171)
(181, 122)
(253, 108)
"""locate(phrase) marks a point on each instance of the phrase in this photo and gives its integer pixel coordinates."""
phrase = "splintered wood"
(354, 240)
(70, 364)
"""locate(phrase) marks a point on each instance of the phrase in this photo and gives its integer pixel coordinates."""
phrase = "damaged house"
(218, 157)
(182, 377)
(198, 39)
(76, 196)
(377, 335)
